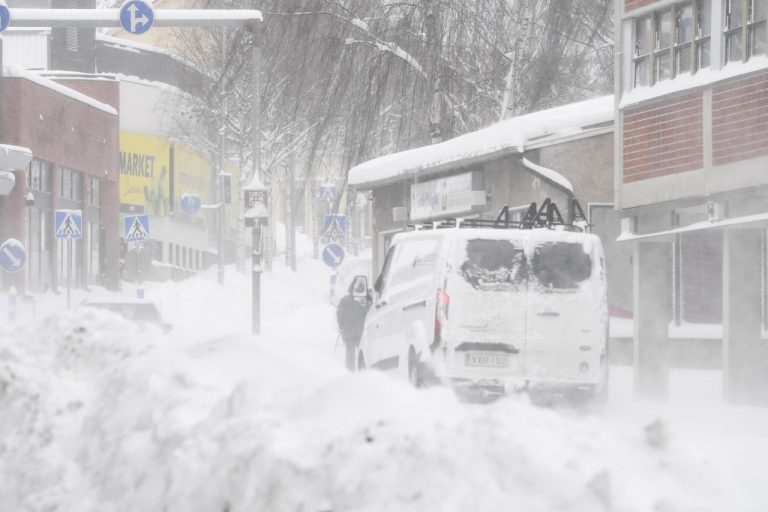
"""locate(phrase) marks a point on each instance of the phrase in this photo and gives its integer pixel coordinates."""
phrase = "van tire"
(414, 372)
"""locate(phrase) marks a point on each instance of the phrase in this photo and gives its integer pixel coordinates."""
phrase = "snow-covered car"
(134, 309)
(488, 311)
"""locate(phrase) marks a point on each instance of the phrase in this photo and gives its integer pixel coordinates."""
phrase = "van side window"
(415, 259)
(561, 265)
(378, 286)
(494, 265)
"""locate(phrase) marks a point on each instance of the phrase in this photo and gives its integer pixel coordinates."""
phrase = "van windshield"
(494, 265)
(560, 266)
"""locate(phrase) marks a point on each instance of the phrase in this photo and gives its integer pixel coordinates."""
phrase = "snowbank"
(99, 414)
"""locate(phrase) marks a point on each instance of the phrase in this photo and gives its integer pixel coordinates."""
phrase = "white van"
(490, 311)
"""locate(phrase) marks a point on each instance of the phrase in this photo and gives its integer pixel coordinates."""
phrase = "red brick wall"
(664, 137)
(740, 120)
(59, 128)
(630, 5)
(105, 91)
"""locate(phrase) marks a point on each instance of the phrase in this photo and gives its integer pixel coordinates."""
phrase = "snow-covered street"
(99, 414)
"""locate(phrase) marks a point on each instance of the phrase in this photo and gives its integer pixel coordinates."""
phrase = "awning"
(699, 226)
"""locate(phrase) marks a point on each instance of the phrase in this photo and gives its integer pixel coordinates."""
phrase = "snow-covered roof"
(510, 136)
(12, 71)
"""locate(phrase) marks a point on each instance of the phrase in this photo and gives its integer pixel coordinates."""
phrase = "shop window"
(671, 41)
(71, 186)
(697, 278)
(95, 199)
(746, 32)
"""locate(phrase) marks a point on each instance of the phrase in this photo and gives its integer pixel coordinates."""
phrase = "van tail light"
(441, 313)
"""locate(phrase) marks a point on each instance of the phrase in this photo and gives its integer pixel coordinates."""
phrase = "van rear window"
(494, 265)
(560, 265)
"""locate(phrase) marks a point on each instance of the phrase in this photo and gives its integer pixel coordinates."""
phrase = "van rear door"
(484, 326)
(566, 308)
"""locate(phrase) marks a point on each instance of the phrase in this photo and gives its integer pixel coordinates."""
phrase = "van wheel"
(414, 374)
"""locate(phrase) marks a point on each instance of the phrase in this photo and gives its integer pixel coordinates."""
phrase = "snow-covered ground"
(97, 414)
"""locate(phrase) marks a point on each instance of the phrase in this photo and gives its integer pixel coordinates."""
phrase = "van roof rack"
(547, 216)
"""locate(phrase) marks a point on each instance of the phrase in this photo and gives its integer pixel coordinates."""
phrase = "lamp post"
(256, 217)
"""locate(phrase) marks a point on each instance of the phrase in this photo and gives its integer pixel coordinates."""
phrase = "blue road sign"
(5, 16)
(69, 224)
(13, 256)
(327, 193)
(136, 228)
(190, 203)
(334, 228)
(136, 17)
(333, 255)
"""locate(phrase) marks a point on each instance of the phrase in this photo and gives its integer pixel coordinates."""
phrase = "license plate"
(486, 359)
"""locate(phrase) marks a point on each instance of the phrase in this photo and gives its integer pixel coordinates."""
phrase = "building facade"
(692, 181)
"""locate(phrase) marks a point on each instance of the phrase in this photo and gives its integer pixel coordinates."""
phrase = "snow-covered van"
(490, 311)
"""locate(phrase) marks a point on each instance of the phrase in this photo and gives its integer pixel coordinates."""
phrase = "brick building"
(74, 140)
(692, 181)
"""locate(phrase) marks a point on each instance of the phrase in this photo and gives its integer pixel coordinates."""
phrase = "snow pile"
(99, 414)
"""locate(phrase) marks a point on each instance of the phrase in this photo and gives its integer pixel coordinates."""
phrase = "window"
(71, 186)
(494, 265)
(671, 42)
(560, 266)
(95, 199)
(745, 32)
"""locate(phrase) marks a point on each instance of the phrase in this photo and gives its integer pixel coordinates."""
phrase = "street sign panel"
(69, 224)
(333, 255)
(5, 16)
(136, 228)
(253, 197)
(327, 193)
(335, 228)
(136, 17)
(13, 256)
(191, 203)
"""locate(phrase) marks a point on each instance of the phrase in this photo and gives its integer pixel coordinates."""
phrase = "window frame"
(744, 32)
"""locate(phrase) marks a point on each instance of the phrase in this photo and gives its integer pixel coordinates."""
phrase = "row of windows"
(678, 40)
(40, 178)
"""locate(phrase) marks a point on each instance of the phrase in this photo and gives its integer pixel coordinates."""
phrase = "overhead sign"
(335, 228)
(136, 16)
(5, 16)
(13, 256)
(69, 224)
(333, 255)
(136, 228)
(327, 193)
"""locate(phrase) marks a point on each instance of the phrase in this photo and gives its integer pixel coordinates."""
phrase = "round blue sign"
(13, 256)
(333, 255)
(5, 16)
(136, 16)
(190, 203)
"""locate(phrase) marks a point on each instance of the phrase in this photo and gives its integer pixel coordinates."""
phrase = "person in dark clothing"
(350, 315)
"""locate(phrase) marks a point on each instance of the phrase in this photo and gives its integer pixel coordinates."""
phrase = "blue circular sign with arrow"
(13, 256)
(333, 255)
(5, 16)
(136, 16)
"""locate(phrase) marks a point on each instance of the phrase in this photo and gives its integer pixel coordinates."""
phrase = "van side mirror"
(360, 287)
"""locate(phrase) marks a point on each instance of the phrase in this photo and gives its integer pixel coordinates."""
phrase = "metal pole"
(256, 159)
(219, 188)
(69, 270)
(256, 279)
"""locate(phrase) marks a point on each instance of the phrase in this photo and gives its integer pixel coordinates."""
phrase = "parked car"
(488, 311)
(134, 309)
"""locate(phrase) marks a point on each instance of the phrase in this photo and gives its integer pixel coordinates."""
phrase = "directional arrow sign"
(13, 256)
(5, 16)
(136, 17)
(333, 255)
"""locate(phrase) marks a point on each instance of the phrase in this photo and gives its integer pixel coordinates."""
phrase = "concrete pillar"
(744, 355)
(652, 298)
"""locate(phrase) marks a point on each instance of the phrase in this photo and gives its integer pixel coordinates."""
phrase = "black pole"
(256, 279)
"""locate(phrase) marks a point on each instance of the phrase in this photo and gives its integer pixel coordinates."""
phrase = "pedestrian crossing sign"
(136, 228)
(69, 224)
(327, 193)
(335, 228)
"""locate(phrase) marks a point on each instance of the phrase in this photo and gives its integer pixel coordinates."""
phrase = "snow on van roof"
(505, 137)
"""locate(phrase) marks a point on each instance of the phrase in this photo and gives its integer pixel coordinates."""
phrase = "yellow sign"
(144, 172)
(192, 174)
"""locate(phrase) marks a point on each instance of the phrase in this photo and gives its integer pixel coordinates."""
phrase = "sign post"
(136, 230)
(256, 216)
(69, 226)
